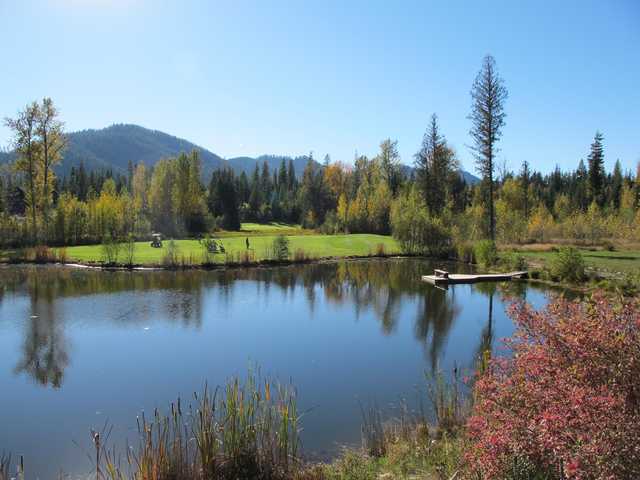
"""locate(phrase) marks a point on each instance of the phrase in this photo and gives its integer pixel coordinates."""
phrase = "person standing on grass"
(247, 242)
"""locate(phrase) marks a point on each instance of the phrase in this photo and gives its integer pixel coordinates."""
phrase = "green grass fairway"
(317, 246)
(601, 260)
(273, 228)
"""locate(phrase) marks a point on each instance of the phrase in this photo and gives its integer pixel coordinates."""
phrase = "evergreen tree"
(255, 197)
(243, 188)
(581, 194)
(223, 199)
(436, 169)
(596, 170)
(282, 177)
(3, 196)
(525, 182)
(265, 183)
(291, 176)
(487, 119)
(313, 195)
(615, 190)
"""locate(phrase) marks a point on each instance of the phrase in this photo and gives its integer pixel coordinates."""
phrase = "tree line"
(429, 209)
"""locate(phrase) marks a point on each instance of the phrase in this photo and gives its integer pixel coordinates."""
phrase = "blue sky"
(289, 77)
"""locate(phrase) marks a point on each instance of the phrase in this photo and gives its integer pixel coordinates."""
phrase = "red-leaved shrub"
(566, 403)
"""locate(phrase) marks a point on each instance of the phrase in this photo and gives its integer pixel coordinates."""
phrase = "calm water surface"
(79, 348)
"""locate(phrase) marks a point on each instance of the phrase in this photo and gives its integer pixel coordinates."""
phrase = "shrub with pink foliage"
(566, 403)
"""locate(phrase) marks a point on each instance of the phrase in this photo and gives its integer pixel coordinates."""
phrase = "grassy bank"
(313, 246)
(604, 261)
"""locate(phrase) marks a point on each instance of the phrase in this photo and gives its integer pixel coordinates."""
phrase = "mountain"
(248, 164)
(113, 147)
(470, 178)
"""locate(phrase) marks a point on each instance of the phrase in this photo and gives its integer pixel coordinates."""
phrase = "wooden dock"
(440, 277)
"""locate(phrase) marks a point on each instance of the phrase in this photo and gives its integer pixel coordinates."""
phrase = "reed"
(62, 255)
(244, 430)
(300, 255)
(381, 250)
(5, 462)
(40, 254)
(243, 257)
(171, 258)
(449, 403)
(373, 431)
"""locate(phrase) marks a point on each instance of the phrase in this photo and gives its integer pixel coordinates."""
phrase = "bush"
(279, 249)
(514, 261)
(300, 255)
(130, 250)
(171, 257)
(465, 253)
(110, 249)
(566, 401)
(416, 230)
(486, 253)
(568, 265)
(62, 255)
(331, 224)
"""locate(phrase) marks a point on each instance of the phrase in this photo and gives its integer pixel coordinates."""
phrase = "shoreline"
(214, 266)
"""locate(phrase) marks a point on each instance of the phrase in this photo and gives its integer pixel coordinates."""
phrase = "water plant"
(171, 256)
(486, 253)
(568, 265)
(245, 429)
(110, 249)
(129, 250)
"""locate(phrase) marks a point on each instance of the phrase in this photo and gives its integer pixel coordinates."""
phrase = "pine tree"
(615, 190)
(255, 197)
(436, 169)
(525, 181)
(487, 119)
(291, 175)
(596, 170)
(282, 178)
(581, 194)
(265, 183)
(223, 199)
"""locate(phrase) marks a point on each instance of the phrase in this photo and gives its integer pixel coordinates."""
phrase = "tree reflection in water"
(379, 286)
(44, 352)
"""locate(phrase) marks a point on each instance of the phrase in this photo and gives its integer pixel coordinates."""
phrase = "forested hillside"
(112, 148)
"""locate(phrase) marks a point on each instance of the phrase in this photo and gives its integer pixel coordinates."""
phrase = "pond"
(80, 349)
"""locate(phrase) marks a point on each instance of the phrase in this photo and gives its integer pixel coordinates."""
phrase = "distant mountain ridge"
(114, 146)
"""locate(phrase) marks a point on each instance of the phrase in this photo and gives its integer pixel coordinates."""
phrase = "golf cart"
(156, 240)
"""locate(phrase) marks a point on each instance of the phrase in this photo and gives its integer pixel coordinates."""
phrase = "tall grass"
(300, 255)
(5, 466)
(373, 431)
(380, 250)
(242, 257)
(449, 403)
(5, 462)
(244, 430)
(171, 258)
(40, 254)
